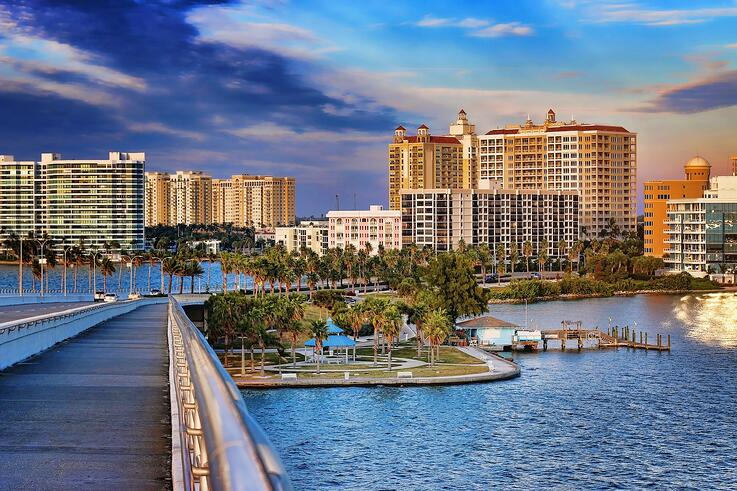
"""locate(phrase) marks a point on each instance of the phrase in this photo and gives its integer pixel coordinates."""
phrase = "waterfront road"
(92, 412)
(16, 312)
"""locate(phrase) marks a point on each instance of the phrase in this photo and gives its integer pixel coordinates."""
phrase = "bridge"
(127, 395)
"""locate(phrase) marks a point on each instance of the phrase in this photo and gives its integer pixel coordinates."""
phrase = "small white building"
(212, 246)
(309, 234)
(375, 226)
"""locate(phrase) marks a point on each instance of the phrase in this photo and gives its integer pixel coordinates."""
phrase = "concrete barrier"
(32, 298)
(24, 338)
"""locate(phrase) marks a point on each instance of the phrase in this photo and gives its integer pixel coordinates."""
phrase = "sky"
(314, 89)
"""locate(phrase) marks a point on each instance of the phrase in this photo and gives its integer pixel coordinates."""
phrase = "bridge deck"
(91, 413)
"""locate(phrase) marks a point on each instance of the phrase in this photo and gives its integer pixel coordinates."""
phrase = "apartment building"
(308, 234)
(427, 161)
(441, 218)
(254, 201)
(598, 161)
(376, 227)
(702, 232)
(190, 198)
(94, 201)
(657, 193)
(156, 198)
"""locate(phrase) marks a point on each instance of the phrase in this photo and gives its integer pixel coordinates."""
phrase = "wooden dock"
(617, 337)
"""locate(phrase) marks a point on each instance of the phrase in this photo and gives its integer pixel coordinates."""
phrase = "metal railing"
(222, 446)
(41, 320)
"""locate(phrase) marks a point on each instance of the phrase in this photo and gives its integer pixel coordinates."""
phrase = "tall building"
(441, 218)
(190, 198)
(254, 201)
(702, 232)
(465, 132)
(375, 226)
(425, 161)
(657, 193)
(157, 199)
(598, 161)
(17, 196)
(94, 201)
(309, 234)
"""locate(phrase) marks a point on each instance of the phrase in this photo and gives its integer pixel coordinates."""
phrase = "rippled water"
(591, 420)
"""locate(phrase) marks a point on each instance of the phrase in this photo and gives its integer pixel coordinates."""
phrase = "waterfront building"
(441, 218)
(426, 161)
(156, 199)
(17, 196)
(702, 232)
(254, 201)
(375, 226)
(657, 193)
(599, 161)
(488, 331)
(211, 246)
(308, 234)
(190, 198)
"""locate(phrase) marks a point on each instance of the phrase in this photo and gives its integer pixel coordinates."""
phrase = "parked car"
(111, 297)
(155, 292)
(535, 275)
(134, 296)
(490, 278)
(99, 296)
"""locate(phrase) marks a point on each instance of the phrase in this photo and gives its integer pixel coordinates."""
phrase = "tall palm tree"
(416, 316)
(170, 266)
(542, 254)
(438, 327)
(391, 328)
(356, 320)
(107, 268)
(376, 313)
(194, 268)
(501, 258)
(319, 331)
(527, 252)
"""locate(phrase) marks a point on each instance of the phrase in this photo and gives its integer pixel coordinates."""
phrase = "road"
(16, 312)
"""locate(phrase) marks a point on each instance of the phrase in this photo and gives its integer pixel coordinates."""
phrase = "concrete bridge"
(125, 395)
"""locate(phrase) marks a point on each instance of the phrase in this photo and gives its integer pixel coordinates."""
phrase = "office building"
(254, 201)
(702, 232)
(441, 218)
(375, 227)
(657, 193)
(598, 161)
(308, 234)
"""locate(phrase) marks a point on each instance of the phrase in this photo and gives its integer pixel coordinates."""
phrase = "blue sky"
(314, 89)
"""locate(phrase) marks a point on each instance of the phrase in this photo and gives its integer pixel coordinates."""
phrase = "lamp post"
(65, 249)
(20, 267)
(130, 284)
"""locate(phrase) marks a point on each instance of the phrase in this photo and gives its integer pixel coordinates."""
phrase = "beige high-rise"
(254, 201)
(599, 161)
(157, 199)
(190, 198)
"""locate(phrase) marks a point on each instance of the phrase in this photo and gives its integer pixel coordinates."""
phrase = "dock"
(617, 337)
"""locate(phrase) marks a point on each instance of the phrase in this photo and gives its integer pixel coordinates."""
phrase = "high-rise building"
(375, 226)
(426, 161)
(441, 218)
(598, 161)
(308, 234)
(254, 201)
(465, 132)
(157, 198)
(702, 232)
(657, 194)
(190, 198)
(92, 201)
(17, 196)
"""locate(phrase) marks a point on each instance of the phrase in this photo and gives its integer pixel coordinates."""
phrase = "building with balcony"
(657, 193)
(254, 201)
(365, 229)
(308, 234)
(441, 218)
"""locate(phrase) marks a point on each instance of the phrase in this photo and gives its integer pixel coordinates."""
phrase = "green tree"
(501, 258)
(319, 331)
(391, 328)
(438, 327)
(527, 253)
(450, 276)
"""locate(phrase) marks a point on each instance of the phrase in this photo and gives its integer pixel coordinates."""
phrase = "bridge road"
(92, 412)
(16, 312)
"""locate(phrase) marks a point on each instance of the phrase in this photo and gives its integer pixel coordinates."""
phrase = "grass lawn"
(234, 360)
(438, 371)
(448, 354)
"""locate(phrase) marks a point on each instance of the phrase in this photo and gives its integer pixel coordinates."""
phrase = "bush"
(575, 285)
(525, 290)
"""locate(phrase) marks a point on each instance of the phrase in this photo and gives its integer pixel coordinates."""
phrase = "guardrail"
(22, 338)
(221, 445)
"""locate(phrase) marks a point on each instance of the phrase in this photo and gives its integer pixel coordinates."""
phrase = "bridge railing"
(222, 446)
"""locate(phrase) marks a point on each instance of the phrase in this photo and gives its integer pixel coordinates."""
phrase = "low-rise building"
(375, 227)
(442, 218)
(309, 234)
(211, 246)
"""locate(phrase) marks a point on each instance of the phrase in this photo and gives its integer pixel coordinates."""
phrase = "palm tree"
(376, 308)
(107, 269)
(542, 254)
(500, 261)
(170, 266)
(527, 252)
(438, 326)
(319, 331)
(416, 316)
(484, 257)
(391, 328)
(193, 269)
(356, 320)
(562, 248)
(513, 256)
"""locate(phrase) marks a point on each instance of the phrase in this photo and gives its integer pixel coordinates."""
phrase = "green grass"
(448, 354)
(437, 371)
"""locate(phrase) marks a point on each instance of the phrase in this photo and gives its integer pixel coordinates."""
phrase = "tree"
(391, 328)
(319, 331)
(170, 266)
(376, 308)
(513, 256)
(527, 253)
(562, 248)
(107, 269)
(416, 315)
(501, 258)
(484, 259)
(450, 276)
(356, 320)
(438, 327)
(542, 254)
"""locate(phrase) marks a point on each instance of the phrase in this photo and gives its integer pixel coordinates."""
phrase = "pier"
(572, 333)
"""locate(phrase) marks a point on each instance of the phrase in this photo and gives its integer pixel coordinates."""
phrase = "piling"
(668, 342)
(646, 342)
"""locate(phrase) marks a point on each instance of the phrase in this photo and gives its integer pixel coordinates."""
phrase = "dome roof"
(698, 162)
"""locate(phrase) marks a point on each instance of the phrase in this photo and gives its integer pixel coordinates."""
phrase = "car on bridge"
(111, 297)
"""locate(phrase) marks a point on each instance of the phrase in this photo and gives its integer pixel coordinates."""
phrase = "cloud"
(500, 30)
(278, 133)
(731, 46)
(709, 93)
(478, 27)
(634, 13)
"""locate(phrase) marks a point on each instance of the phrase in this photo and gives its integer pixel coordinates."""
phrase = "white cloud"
(473, 23)
(275, 132)
(731, 46)
(429, 21)
(478, 27)
(508, 29)
(156, 127)
(635, 13)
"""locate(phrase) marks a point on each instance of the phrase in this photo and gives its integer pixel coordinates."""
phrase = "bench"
(404, 374)
(289, 376)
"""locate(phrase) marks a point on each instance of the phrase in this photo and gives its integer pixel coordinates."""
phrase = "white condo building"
(375, 226)
(308, 234)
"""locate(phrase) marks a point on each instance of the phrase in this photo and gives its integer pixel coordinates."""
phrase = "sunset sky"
(314, 89)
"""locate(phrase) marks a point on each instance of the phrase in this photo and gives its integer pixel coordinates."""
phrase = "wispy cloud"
(731, 46)
(635, 13)
(705, 94)
(279, 133)
(478, 27)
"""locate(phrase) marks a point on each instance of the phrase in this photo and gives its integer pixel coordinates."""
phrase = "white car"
(99, 296)
(111, 297)
(134, 296)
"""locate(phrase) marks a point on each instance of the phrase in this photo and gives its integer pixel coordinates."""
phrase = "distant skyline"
(314, 89)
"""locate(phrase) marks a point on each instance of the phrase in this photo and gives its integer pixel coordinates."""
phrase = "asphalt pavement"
(16, 312)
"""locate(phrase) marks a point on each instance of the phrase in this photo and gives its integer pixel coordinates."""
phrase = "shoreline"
(572, 297)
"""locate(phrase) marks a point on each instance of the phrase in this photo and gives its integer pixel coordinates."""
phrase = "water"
(591, 420)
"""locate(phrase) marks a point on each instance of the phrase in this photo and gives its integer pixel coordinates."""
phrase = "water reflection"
(710, 318)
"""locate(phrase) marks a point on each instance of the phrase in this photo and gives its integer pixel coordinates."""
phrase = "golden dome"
(698, 162)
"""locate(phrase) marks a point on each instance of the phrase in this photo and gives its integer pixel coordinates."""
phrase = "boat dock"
(617, 337)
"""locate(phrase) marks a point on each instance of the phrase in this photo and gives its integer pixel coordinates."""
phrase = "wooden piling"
(646, 346)
(668, 342)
